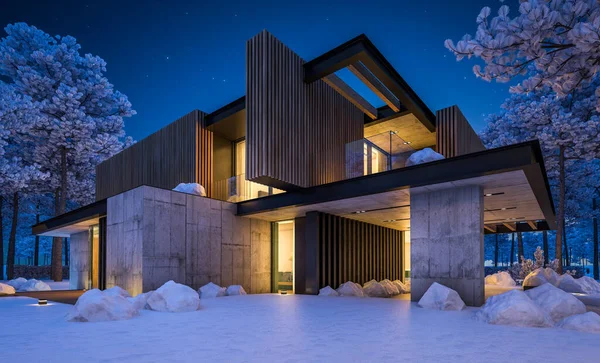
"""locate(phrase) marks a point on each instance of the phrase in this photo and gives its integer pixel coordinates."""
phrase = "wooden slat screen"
(356, 251)
(295, 132)
(455, 136)
(181, 152)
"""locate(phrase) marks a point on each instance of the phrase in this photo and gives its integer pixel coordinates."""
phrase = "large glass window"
(94, 238)
(283, 256)
(240, 188)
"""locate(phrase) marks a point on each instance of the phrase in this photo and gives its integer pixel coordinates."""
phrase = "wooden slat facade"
(339, 249)
(178, 153)
(454, 134)
(296, 133)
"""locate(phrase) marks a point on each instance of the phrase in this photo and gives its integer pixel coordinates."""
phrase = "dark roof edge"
(92, 210)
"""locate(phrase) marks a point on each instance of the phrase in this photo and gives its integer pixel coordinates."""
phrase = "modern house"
(307, 186)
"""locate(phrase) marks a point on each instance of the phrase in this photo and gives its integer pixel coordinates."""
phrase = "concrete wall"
(447, 241)
(156, 235)
(79, 261)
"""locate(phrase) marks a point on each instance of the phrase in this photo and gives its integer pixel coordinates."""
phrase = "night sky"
(170, 57)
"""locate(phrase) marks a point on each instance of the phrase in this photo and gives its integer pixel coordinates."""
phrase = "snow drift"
(501, 278)
(390, 287)
(540, 276)
(423, 156)
(588, 285)
(375, 289)
(211, 290)
(513, 308)
(440, 297)
(402, 288)
(6, 289)
(236, 290)
(174, 298)
(191, 188)
(117, 291)
(555, 302)
(17, 283)
(328, 291)
(349, 288)
(140, 301)
(95, 305)
(588, 323)
(34, 285)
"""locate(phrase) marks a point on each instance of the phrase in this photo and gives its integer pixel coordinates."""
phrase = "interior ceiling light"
(359, 211)
(406, 142)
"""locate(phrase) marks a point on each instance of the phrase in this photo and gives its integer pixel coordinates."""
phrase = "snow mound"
(328, 291)
(95, 305)
(569, 284)
(375, 289)
(17, 283)
(174, 298)
(191, 188)
(211, 290)
(141, 301)
(555, 302)
(541, 276)
(236, 290)
(390, 287)
(35, 285)
(407, 284)
(513, 308)
(588, 285)
(6, 289)
(423, 156)
(440, 297)
(117, 291)
(402, 288)
(587, 323)
(349, 288)
(501, 278)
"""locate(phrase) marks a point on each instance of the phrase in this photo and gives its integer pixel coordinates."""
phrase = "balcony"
(377, 153)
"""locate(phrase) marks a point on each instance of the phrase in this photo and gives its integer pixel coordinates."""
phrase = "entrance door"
(283, 257)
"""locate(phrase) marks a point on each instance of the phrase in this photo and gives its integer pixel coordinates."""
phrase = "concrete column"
(447, 241)
(79, 261)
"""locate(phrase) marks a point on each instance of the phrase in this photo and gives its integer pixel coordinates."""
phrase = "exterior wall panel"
(296, 132)
(455, 136)
(179, 153)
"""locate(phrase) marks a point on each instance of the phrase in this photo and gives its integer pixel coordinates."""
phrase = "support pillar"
(447, 241)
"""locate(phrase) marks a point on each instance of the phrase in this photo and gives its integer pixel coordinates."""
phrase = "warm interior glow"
(285, 256)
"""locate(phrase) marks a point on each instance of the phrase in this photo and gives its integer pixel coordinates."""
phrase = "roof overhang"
(78, 220)
(520, 166)
(361, 51)
(228, 121)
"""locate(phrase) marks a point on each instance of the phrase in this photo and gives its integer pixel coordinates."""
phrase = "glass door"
(283, 257)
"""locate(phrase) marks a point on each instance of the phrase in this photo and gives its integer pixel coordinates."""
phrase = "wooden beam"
(511, 226)
(375, 85)
(533, 225)
(351, 95)
(492, 229)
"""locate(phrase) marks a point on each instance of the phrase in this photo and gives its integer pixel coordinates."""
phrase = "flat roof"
(522, 164)
(77, 220)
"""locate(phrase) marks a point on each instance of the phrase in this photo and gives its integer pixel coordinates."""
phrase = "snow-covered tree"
(80, 118)
(553, 43)
(568, 130)
(17, 170)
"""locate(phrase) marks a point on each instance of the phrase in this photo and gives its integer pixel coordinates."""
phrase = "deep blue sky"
(170, 57)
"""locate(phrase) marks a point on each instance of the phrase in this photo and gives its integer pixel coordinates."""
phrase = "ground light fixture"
(42, 302)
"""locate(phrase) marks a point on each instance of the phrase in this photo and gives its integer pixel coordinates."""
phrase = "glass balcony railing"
(238, 189)
(377, 153)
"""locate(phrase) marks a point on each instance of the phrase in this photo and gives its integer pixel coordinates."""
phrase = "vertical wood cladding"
(178, 153)
(455, 136)
(351, 250)
(295, 132)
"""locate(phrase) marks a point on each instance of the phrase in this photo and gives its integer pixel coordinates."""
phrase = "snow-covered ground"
(62, 285)
(283, 328)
